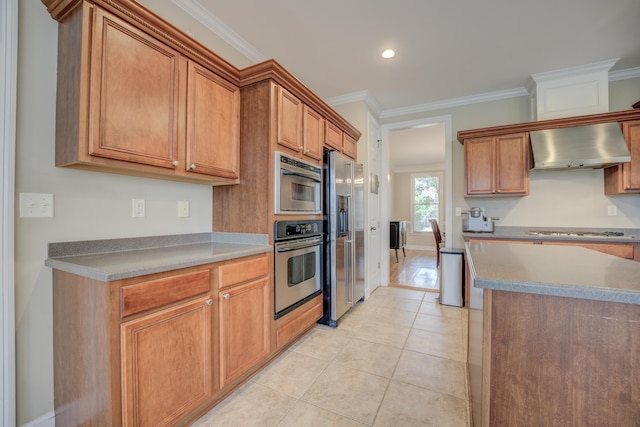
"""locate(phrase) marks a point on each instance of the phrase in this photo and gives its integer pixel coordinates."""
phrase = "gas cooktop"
(576, 233)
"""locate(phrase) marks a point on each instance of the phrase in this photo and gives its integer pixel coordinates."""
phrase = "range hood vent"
(590, 146)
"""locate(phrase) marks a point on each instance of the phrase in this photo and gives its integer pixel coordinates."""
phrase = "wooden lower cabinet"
(166, 364)
(245, 313)
(162, 349)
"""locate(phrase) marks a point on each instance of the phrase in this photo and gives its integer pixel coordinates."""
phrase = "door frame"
(8, 104)
(373, 138)
(385, 172)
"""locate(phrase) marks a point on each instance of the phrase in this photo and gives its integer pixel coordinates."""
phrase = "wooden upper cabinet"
(349, 146)
(497, 166)
(332, 135)
(134, 102)
(167, 364)
(313, 126)
(213, 124)
(289, 116)
(129, 103)
(625, 177)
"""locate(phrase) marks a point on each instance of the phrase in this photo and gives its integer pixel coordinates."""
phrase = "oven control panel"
(292, 229)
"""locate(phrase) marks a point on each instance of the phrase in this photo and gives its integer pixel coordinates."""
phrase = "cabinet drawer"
(156, 293)
(238, 272)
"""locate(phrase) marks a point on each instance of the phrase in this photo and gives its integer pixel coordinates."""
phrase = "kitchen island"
(554, 336)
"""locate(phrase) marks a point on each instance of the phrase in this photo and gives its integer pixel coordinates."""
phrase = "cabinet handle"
(176, 163)
(226, 296)
(373, 228)
(209, 301)
(193, 166)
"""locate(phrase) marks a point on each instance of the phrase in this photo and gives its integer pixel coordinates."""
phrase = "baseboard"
(46, 420)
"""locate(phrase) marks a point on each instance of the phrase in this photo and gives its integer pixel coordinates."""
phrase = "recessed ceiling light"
(389, 53)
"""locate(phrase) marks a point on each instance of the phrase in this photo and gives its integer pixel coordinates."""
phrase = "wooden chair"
(438, 238)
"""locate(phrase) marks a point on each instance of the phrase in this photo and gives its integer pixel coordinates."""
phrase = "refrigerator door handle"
(347, 270)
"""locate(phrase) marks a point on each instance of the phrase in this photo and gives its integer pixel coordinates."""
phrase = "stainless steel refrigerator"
(343, 215)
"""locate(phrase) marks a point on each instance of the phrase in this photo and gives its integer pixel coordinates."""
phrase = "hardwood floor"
(416, 270)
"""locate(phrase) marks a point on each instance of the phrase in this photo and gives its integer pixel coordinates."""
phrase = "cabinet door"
(512, 164)
(332, 136)
(631, 170)
(349, 146)
(289, 125)
(213, 124)
(245, 319)
(313, 126)
(479, 163)
(166, 364)
(134, 95)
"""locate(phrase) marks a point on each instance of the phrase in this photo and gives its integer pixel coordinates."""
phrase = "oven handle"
(292, 246)
(312, 177)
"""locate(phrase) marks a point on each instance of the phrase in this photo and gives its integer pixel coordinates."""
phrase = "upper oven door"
(298, 186)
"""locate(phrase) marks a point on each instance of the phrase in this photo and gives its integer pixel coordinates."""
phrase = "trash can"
(452, 277)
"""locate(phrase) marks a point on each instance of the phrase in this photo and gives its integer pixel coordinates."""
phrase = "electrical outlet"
(612, 210)
(183, 208)
(137, 208)
(458, 211)
(36, 205)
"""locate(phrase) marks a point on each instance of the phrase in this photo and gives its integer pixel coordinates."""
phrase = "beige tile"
(308, 415)
(436, 344)
(407, 405)
(322, 343)
(437, 309)
(432, 372)
(251, 405)
(393, 316)
(292, 374)
(444, 325)
(378, 359)
(383, 333)
(388, 291)
(351, 393)
(396, 303)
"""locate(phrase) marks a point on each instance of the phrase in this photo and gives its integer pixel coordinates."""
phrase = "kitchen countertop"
(520, 233)
(114, 259)
(565, 271)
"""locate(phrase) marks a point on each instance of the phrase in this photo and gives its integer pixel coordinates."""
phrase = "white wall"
(88, 205)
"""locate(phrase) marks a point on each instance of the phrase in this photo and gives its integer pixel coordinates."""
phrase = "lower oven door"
(298, 272)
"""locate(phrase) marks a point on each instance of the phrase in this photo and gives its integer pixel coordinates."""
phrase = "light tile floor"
(396, 359)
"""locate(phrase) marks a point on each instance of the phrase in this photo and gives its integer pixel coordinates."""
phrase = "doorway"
(406, 150)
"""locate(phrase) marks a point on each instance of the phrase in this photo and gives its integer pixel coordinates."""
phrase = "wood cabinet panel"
(289, 116)
(298, 322)
(349, 146)
(479, 166)
(213, 124)
(332, 136)
(313, 126)
(244, 316)
(242, 271)
(134, 107)
(625, 177)
(166, 364)
(157, 293)
(497, 166)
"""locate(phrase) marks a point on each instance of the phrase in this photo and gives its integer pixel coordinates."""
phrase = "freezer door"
(341, 286)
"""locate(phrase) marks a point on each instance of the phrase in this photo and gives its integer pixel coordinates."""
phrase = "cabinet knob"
(209, 301)
(628, 186)
(226, 296)
(176, 163)
(193, 166)
(300, 148)
(307, 150)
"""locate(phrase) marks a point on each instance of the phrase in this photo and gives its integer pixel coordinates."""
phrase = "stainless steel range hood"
(590, 146)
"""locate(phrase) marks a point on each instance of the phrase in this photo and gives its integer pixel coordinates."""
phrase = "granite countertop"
(631, 235)
(566, 271)
(114, 259)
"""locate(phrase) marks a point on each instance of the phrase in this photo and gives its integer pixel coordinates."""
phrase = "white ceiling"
(445, 49)
(448, 52)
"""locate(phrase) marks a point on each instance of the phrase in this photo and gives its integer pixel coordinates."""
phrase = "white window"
(426, 189)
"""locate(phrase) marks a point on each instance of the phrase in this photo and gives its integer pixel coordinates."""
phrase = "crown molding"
(629, 73)
(364, 96)
(216, 26)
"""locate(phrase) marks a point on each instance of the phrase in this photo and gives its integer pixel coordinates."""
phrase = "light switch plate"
(36, 205)
(183, 208)
(137, 208)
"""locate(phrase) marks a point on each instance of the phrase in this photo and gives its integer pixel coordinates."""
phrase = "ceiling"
(445, 49)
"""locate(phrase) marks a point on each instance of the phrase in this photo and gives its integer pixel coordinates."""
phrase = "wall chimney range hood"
(579, 147)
